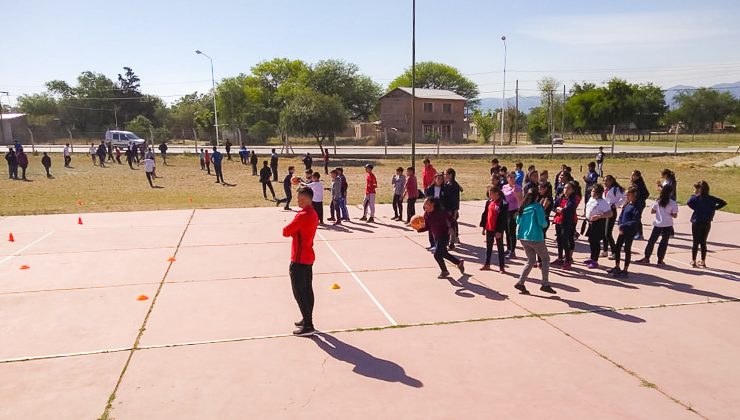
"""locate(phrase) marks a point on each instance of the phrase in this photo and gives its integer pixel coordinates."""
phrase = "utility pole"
(550, 122)
(413, 83)
(503, 94)
(562, 115)
(516, 115)
(2, 128)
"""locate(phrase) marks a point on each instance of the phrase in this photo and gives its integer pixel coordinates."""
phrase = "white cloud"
(629, 28)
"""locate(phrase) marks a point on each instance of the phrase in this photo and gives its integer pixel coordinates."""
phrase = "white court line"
(16, 253)
(357, 279)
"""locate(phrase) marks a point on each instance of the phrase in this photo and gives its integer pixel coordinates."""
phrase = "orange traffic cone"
(335, 287)
(190, 199)
(79, 220)
(25, 267)
(11, 238)
(142, 297)
(171, 259)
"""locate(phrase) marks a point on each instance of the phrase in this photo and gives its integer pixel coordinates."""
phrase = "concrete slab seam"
(357, 279)
(18, 252)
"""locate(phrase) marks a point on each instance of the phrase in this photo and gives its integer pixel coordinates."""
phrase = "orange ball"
(295, 180)
(417, 222)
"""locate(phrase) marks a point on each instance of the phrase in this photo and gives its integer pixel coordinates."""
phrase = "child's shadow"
(469, 290)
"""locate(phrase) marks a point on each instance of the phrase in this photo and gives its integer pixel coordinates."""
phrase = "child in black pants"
(494, 222)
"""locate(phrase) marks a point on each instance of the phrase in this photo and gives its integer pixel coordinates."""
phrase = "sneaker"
(432, 249)
(277, 203)
(566, 265)
(521, 288)
(612, 270)
(304, 331)
(556, 261)
(643, 260)
(701, 264)
(693, 264)
(331, 219)
(588, 261)
(622, 274)
(486, 267)
(371, 220)
(661, 262)
(286, 208)
(452, 247)
(298, 323)
(337, 223)
(603, 254)
(461, 266)
(443, 275)
(502, 270)
(548, 289)
(363, 218)
(612, 257)
(592, 265)
(638, 237)
(512, 255)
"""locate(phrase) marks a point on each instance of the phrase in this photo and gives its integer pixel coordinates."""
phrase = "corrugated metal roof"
(434, 94)
(11, 116)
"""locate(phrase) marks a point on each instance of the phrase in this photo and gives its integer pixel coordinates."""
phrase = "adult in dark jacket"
(102, 152)
(274, 165)
(266, 180)
(704, 206)
(641, 195)
(436, 190)
(253, 162)
(451, 203)
(12, 163)
(22, 159)
(216, 159)
(308, 161)
(46, 162)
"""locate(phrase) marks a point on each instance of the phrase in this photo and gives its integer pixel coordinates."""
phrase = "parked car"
(557, 139)
(122, 138)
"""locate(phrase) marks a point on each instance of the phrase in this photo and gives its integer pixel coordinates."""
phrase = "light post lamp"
(503, 94)
(413, 84)
(2, 129)
(213, 83)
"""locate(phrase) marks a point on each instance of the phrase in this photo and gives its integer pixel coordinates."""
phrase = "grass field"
(118, 188)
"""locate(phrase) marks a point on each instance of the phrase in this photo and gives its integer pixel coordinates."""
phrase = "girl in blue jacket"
(629, 220)
(704, 206)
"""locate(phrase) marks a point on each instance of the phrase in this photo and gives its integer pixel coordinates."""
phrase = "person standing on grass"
(46, 162)
(641, 195)
(598, 211)
(326, 161)
(253, 162)
(101, 154)
(371, 183)
(243, 154)
(149, 168)
(67, 156)
(163, 151)
(93, 153)
(398, 182)
(308, 161)
(130, 157)
(428, 174)
(336, 195)
(266, 180)
(227, 146)
(565, 225)
(202, 159)
(614, 196)
(438, 222)
(274, 164)
(530, 222)
(514, 196)
(22, 159)
(600, 161)
(217, 158)
(665, 210)
(318, 195)
(109, 147)
(207, 159)
(118, 155)
(302, 231)
(12, 160)
(343, 201)
(704, 206)
(411, 192)
(288, 188)
(494, 221)
(628, 221)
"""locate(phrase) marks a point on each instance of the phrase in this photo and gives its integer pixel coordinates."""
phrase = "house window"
(446, 131)
(447, 108)
(428, 107)
(427, 128)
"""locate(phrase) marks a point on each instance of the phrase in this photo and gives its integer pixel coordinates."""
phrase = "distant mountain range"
(526, 103)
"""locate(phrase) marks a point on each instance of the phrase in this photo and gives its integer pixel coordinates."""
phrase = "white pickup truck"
(122, 138)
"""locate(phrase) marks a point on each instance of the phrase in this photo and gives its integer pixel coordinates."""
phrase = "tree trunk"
(320, 141)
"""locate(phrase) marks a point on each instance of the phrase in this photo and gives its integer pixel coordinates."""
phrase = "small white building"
(13, 126)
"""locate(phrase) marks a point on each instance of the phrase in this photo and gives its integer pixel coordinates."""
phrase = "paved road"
(432, 150)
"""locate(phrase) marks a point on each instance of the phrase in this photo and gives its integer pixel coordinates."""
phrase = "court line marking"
(357, 279)
(529, 314)
(18, 252)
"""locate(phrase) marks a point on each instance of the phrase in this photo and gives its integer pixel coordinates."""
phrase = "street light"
(2, 129)
(413, 84)
(213, 83)
(503, 94)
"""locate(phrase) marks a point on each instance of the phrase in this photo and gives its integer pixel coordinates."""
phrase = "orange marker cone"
(171, 259)
(25, 267)
(79, 220)
(335, 286)
(142, 297)
(11, 238)
(190, 199)
(79, 202)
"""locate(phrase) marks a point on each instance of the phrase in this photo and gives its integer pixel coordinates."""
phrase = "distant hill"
(526, 103)
(673, 91)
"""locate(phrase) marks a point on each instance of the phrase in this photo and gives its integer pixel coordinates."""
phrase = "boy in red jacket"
(302, 231)
(369, 202)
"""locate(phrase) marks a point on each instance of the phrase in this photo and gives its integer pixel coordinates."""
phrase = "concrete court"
(215, 330)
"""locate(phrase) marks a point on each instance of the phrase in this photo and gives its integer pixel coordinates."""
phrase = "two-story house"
(437, 111)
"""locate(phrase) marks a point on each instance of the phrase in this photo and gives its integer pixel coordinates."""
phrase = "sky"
(664, 42)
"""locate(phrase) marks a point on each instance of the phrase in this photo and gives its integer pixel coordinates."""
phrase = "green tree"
(537, 125)
(485, 123)
(359, 94)
(700, 109)
(271, 85)
(314, 114)
(40, 107)
(140, 126)
(431, 75)
(262, 130)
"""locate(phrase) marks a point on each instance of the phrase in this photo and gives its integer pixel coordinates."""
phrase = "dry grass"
(118, 188)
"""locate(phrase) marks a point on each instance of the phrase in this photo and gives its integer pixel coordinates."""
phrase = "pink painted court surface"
(398, 342)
